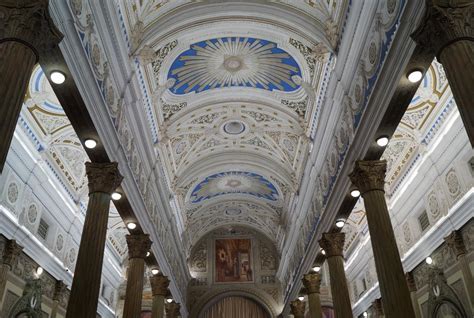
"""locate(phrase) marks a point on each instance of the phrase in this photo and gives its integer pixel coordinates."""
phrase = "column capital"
(445, 22)
(29, 23)
(159, 284)
(456, 243)
(103, 177)
(411, 282)
(138, 245)
(312, 282)
(11, 252)
(378, 309)
(59, 290)
(369, 175)
(297, 308)
(172, 309)
(333, 243)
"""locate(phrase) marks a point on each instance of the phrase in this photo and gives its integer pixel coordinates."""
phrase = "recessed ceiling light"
(323, 252)
(57, 77)
(382, 141)
(148, 254)
(132, 225)
(365, 314)
(39, 271)
(340, 223)
(117, 196)
(301, 298)
(415, 76)
(317, 269)
(429, 260)
(90, 143)
(355, 193)
(169, 300)
(155, 271)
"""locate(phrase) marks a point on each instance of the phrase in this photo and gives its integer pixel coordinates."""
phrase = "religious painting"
(233, 261)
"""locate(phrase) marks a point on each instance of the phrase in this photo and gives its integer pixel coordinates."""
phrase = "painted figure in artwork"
(233, 262)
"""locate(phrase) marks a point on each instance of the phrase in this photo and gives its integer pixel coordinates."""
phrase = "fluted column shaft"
(26, 31)
(159, 289)
(369, 178)
(312, 283)
(412, 288)
(297, 308)
(10, 254)
(448, 31)
(172, 309)
(138, 246)
(333, 244)
(103, 178)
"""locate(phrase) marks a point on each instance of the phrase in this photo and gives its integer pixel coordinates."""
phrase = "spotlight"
(90, 143)
(117, 196)
(415, 76)
(323, 252)
(39, 271)
(148, 254)
(169, 300)
(355, 193)
(382, 141)
(155, 271)
(57, 77)
(301, 298)
(340, 223)
(317, 269)
(429, 260)
(132, 225)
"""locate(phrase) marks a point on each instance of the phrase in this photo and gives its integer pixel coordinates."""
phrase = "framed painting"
(233, 261)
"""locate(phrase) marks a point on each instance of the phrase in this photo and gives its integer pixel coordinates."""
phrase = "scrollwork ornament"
(103, 177)
(312, 283)
(369, 175)
(29, 23)
(333, 243)
(138, 245)
(159, 284)
(445, 22)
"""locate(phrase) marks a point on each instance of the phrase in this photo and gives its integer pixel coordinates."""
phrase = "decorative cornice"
(138, 245)
(456, 243)
(369, 175)
(297, 308)
(159, 284)
(10, 253)
(445, 22)
(312, 283)
(103, 177)
(333, 243)
(29, 23)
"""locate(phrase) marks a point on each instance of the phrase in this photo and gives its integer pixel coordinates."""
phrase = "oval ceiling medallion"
(233, 61)
(233, 127)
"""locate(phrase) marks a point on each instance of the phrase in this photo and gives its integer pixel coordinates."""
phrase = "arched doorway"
(235, 307)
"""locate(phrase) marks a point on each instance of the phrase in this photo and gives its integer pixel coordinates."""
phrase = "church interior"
(236, 158)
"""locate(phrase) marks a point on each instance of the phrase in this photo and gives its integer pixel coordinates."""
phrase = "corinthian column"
(447, 31)
(456, 243)
(159, 289)
(26, 32)
(312, 283)
(333, 244)
(59, 290)
(369, 178)
(172, 310)
(297, 308)
(10, 254)
(412, 288)
(377, 306)
(103, 178)
(138, 246)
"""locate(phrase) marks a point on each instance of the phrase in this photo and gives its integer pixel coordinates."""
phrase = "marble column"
(26, 32)
(312, 283)
(333, 244)
(11, 252)
(159, 290)
(456, 243)
(172, 309)
(369, 178)
(447, 31)
(103, 179)
(59, 290)
(412, 288)
(138, 246)
(297, 308)
(377, 307)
